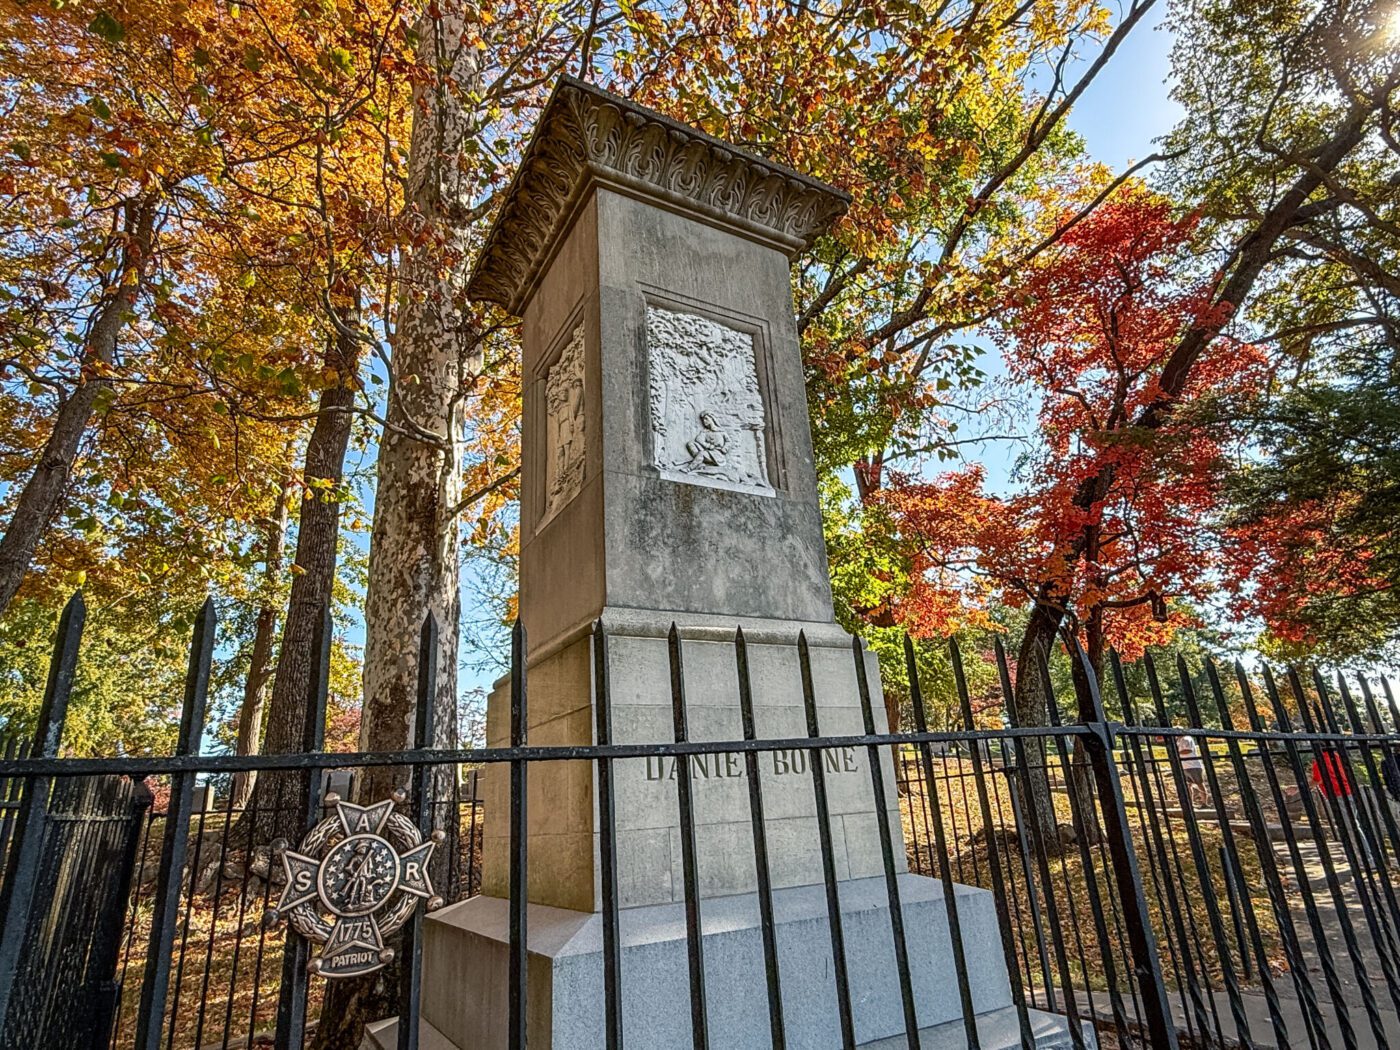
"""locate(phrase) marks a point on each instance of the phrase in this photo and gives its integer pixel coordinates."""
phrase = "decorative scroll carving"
(564, 427)
(586, 131)
(707, 416)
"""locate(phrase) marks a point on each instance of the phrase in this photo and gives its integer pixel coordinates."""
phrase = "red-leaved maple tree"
(1115, 517)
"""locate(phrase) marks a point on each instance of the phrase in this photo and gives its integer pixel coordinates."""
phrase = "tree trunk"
(250, 714)
(1081, 776)
(1031, 701)
(41, 495)
(278, 797)
(413, 554)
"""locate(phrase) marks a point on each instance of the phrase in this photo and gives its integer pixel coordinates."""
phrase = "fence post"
(607, 844)
(17, 893)
(1142, 940)
(155, 986)
(296, 952)
(518, 979)
(411, 971)
(108, 942)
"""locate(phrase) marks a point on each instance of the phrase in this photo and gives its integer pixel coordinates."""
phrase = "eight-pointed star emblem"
(366, 868)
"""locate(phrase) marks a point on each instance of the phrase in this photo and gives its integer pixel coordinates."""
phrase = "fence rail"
(1227, 880)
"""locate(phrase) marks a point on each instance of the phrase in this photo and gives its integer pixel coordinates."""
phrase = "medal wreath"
(356, 878)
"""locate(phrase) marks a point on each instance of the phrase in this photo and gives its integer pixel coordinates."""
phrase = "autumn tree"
(1311, 93)
(1313, 550)
(1116, 521)
(108, 194)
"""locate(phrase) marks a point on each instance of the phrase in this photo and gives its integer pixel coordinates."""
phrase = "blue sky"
(1127, 107)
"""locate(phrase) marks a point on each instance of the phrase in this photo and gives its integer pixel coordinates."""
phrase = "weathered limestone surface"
(561, 796)
(568, 1013)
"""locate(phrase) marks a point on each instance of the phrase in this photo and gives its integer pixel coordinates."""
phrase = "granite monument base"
(464, 1004)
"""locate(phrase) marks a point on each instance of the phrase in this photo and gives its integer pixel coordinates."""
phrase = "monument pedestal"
(466, 948)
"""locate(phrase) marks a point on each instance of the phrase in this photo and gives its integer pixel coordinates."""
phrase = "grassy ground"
(1080, 915)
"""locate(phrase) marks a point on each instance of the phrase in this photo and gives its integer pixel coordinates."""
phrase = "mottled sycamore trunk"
(413, 563)
(276, 807)
(250, 713)
(42, 494)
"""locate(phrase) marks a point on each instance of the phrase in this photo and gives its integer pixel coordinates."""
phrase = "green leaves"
(107, 27)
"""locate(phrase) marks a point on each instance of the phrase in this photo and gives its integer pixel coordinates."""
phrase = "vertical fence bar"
(1142, 939)
(296, 952)
(1319, 934)
(882, 825)
(1143, 766)
(1268, 867)
(607, 845)
(776, 1027)
(1233, 895)
(1041, 848)
(979, 774)
(940, 840)
(519, 977)
(155, 985)
(1085, 827)
(1312, 1014)
(694, 932)
(240, 919)
(17, 891)
(424, 716)
(214, 914)
(1193, 839)
(1227, 966)
(1023, 853)
(816, 760)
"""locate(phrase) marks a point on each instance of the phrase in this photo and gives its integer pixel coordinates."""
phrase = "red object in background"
(1337, 781)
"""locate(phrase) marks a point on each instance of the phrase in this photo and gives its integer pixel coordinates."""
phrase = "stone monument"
(668, 478)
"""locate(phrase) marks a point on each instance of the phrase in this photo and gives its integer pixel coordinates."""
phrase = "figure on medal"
(362, 879)
(709, 450)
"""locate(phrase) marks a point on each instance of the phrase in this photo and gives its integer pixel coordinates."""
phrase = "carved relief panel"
(707, 414)
(564, 427)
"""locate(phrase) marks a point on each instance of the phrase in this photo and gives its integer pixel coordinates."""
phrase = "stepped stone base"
(466, 947)
(996, 1030)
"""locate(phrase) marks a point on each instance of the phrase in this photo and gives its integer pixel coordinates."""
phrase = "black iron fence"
(1226, 880)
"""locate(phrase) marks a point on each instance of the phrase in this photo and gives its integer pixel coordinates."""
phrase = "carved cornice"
(587, 135)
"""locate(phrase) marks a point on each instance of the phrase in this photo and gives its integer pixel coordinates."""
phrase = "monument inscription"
(731, 766)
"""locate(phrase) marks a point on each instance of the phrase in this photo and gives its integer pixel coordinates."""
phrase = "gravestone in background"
(668, 477)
